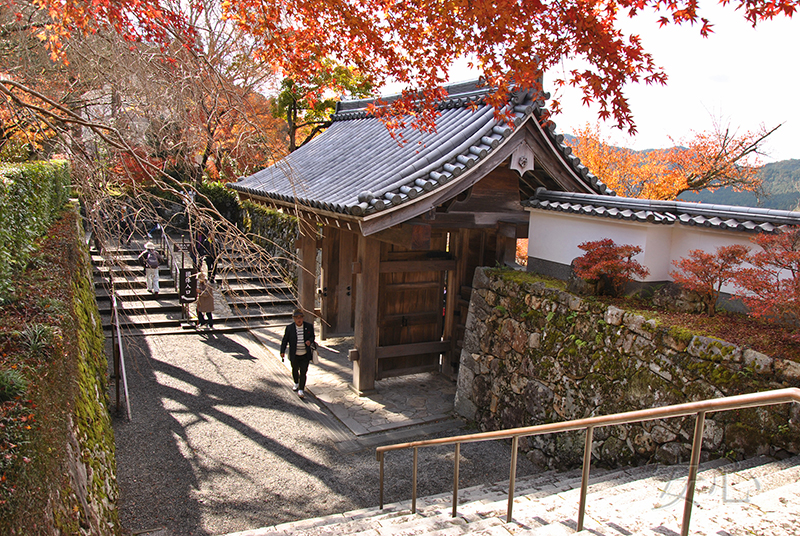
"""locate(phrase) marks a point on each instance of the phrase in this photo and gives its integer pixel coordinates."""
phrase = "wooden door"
(338, 282)
(411, 308)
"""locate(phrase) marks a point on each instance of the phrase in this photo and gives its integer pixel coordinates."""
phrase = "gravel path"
(219, 443)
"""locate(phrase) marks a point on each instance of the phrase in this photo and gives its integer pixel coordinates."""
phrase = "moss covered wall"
(91, 458)
(67, 485)
(534, 355)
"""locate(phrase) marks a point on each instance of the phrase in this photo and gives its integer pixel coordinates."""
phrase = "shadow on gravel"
(219, 443)
(222, 342)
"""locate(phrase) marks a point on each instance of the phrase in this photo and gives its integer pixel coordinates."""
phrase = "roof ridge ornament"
(522, 158)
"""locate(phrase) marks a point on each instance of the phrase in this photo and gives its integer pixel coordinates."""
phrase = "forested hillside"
(781, 189)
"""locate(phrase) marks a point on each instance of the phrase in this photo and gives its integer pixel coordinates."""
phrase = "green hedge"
(225, 201)
(274, 231)
(31, 197)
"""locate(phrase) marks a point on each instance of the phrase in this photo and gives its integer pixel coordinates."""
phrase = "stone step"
(150, 306)
(235, 288)
(264, 300)
(641, 511)
(494, 492)
(173, 321)
(133, 282)
(773, 510)
(553, 529)
(166, 301)
(664, 492)
(566, 489)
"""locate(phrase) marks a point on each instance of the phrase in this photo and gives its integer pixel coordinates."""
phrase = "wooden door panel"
(339, 250)
(410, 308)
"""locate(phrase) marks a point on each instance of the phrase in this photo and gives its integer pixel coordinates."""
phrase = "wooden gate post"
(307, 271)
(366, 329)
(506, 243)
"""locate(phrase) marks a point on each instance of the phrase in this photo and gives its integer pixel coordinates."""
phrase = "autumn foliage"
(706, 273)
(609, 265)
(772, 285)
(707, 160)
(414, 43)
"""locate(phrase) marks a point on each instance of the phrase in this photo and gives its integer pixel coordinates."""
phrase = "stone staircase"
(243, 299)
(760, 496)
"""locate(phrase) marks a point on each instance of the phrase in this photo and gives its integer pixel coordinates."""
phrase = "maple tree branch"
(68, 117)
(316, 130)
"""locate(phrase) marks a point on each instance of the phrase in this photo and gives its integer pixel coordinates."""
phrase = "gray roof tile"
(747, 219)
(356, 167)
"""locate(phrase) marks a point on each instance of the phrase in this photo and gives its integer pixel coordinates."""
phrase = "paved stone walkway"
(397, 402)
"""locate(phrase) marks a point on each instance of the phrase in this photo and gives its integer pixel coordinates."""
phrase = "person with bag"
(299, 337)
(151, 259)
(205, 301)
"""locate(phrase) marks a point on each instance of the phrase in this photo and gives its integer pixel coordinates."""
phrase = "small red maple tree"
(706, 273)
(609, 265)
(772, 285)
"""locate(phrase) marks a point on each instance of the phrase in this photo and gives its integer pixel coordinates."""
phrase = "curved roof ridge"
(459, 90)
(719, 216)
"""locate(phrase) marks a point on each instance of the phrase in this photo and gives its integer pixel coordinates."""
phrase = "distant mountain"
(781, 189)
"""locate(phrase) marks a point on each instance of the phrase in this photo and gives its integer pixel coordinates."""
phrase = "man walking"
(151, 259)
(299, 337)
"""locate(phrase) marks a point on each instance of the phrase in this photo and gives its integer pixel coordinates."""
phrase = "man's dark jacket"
(290, 338)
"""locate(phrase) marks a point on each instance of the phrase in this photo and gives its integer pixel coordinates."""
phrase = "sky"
(739, 76)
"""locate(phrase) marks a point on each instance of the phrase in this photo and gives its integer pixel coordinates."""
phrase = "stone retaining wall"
(535, 355)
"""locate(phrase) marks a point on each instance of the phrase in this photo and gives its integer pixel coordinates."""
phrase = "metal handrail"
(119, 354)
(699, 409)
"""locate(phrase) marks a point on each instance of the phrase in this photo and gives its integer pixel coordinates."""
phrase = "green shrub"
(12, 384)
(16, 151)
(224, 200)
(37, 339)
(272, 230)
(31, 197)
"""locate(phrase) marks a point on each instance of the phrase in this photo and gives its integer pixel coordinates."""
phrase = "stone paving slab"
(396, 403)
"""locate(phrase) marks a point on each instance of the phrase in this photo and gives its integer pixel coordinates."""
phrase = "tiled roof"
(664, 212)
(355, 167)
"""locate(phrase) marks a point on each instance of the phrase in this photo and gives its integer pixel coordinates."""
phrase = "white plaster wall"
(554, 236)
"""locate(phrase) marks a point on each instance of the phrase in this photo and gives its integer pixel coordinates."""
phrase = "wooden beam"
(419, 348)
(424, 318)
(366, 321)
(420, 285)
(410, 370)
(301, 211)
(478, 220)
(437, 265)
(412, 236)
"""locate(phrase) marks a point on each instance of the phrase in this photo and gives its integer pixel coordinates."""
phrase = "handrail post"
(512, 477)
(114, 349)
(697, 445)
(587, 462)
(116, 327)
(455, 477)
(380, 459)
(414, 484)
(698, 409)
